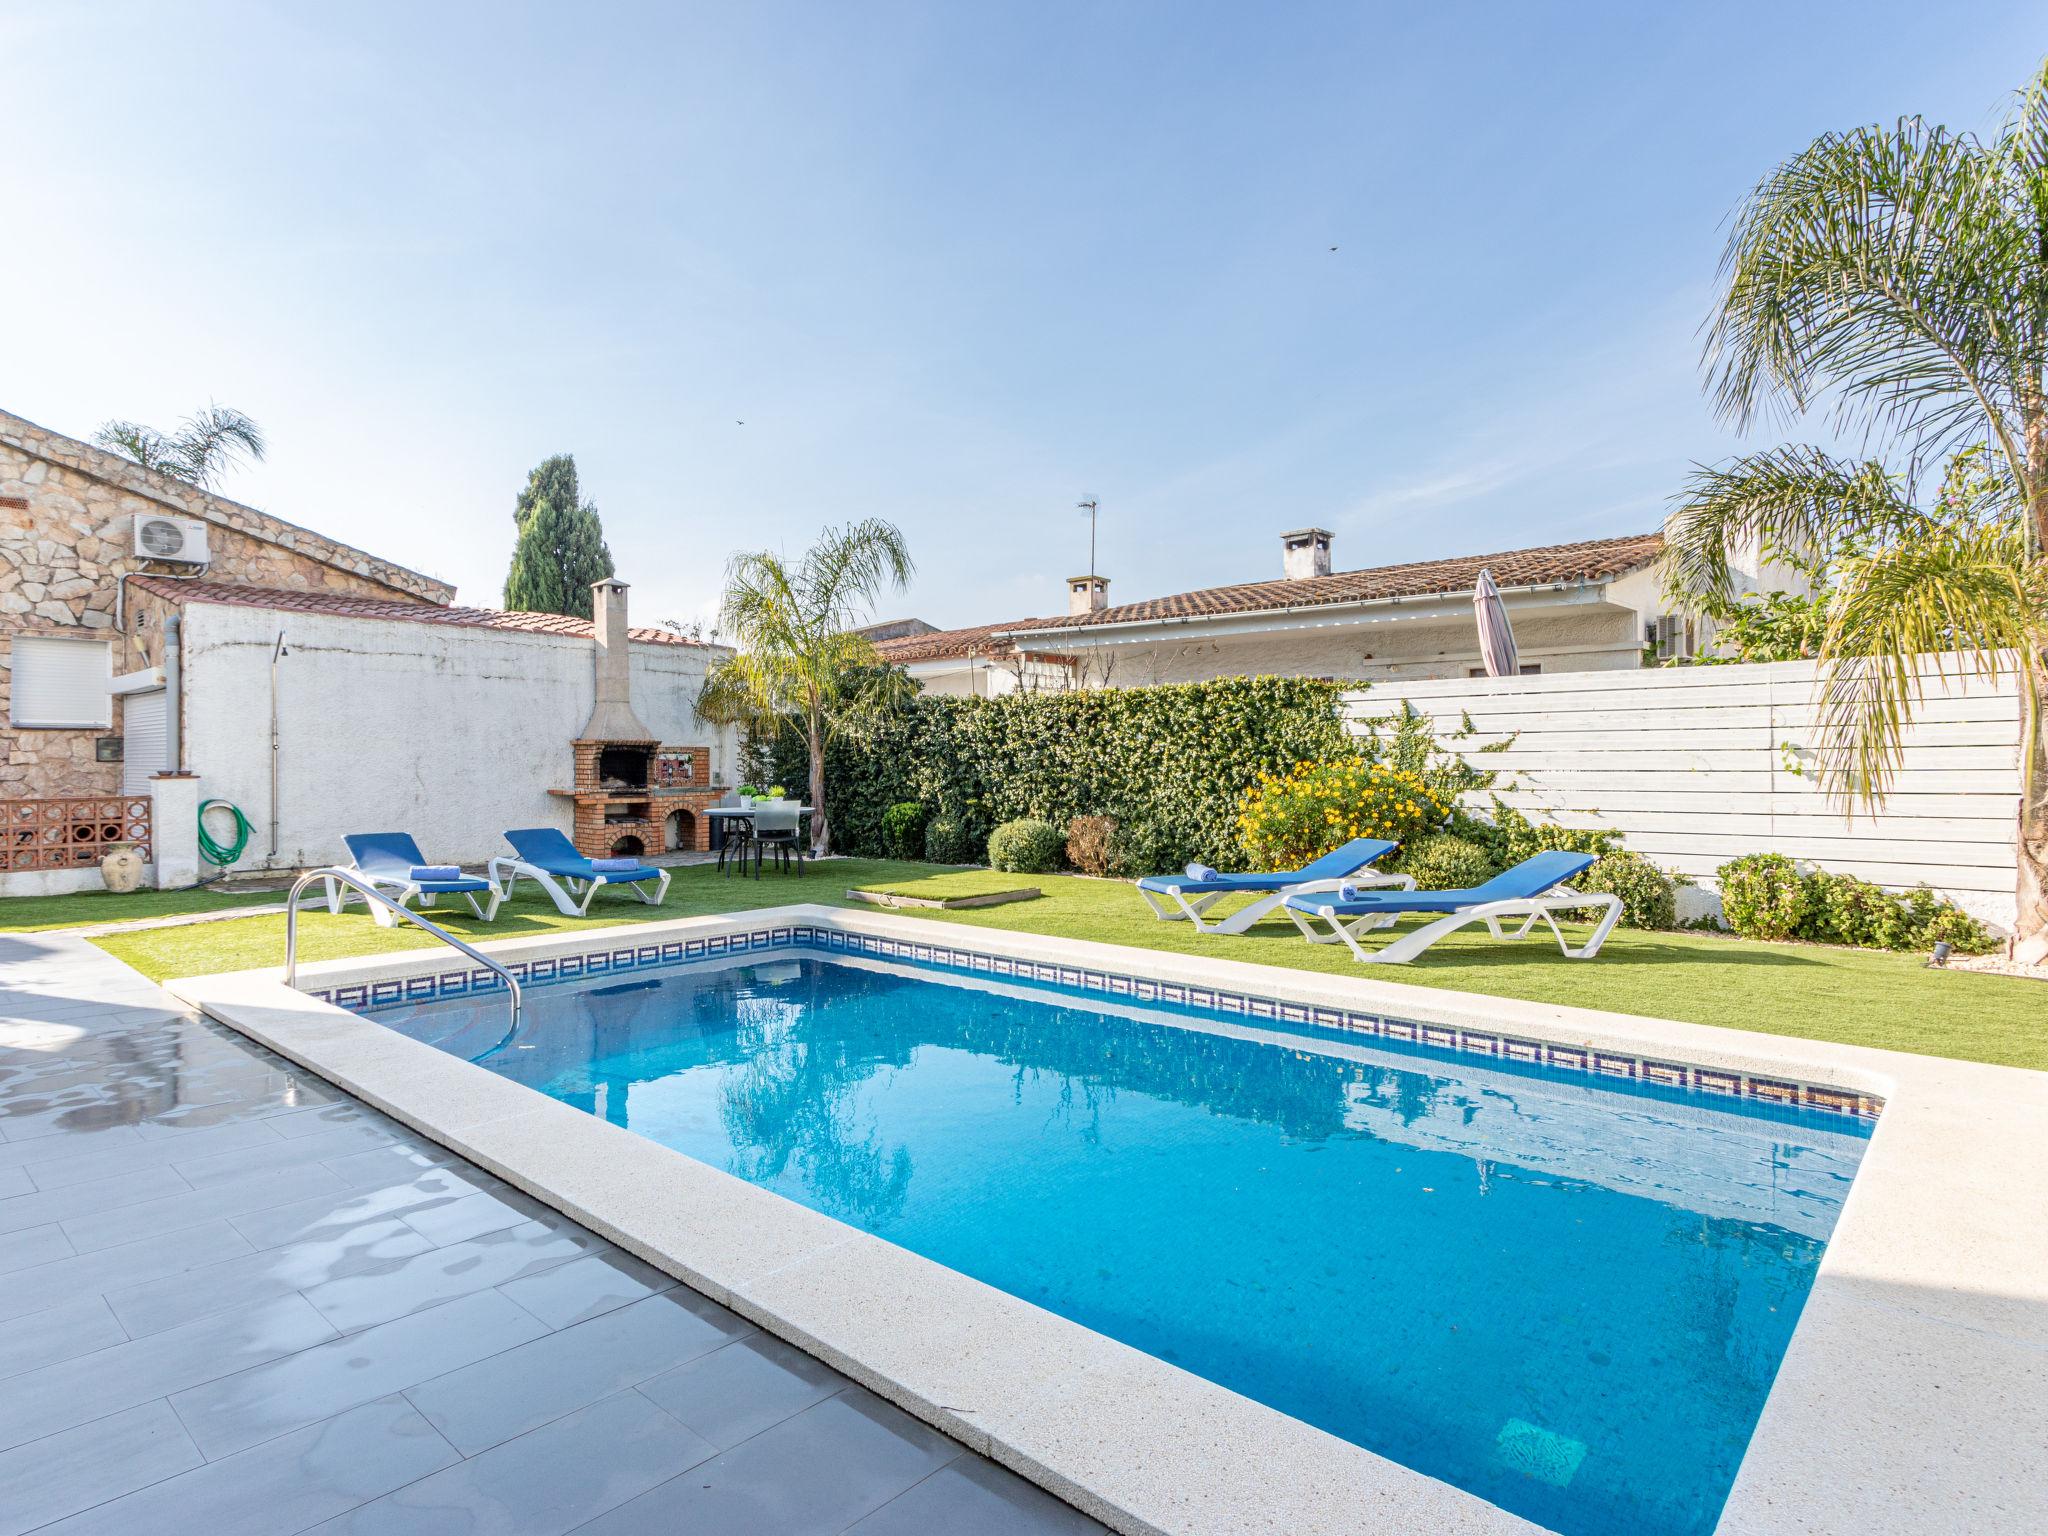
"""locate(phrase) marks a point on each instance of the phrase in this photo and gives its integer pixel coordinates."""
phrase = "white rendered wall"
(449, 733)
(1592, 639)
(60, 882)
(987, 680)
(1695, 765)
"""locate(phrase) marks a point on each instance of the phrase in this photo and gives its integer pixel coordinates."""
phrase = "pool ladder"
(369, 893)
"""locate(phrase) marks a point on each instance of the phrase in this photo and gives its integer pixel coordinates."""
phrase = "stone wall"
(66, 517)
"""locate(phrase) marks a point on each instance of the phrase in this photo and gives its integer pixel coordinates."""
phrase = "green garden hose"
(216, 853)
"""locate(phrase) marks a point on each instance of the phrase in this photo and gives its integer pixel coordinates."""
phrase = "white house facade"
(1591, 606)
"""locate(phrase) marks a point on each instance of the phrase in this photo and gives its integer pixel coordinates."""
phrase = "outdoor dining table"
(730, 820)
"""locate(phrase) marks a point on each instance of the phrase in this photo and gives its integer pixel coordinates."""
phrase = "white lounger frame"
(562, 889)
(403, 892)
(1193, 911)
(1531, 910)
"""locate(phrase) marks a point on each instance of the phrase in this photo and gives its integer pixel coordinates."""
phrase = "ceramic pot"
(121, 868)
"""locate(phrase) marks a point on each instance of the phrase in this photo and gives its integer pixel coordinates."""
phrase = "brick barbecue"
(633, 793)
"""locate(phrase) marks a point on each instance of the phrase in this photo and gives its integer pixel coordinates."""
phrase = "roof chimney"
(1305, 553)
(1087, 594)
(612, 719)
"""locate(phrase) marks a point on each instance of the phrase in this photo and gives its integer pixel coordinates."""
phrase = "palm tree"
(799, 667)
(1898, 276)
(204, 444)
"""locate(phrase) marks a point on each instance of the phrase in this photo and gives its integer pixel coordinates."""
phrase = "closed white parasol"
(1496, 635)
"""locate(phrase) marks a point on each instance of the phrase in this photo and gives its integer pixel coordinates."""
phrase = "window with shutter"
(60, 684)
(144, 740)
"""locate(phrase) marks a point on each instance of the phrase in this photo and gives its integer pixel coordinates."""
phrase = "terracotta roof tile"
(348, 605)
(945, 643)
(1591, 560)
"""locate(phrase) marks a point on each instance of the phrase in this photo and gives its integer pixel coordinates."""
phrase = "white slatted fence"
(1695, 765)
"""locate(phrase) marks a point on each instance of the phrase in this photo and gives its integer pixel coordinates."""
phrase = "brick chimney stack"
(1087, 594)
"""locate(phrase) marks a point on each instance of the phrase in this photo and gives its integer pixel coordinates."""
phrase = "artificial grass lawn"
(1855, 997)
(40, 914)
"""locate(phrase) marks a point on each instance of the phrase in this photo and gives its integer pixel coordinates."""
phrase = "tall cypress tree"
(560, 549)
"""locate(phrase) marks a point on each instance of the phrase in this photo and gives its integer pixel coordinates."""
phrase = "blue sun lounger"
(1195, 892)
(1534, 890)
(546, 857)
(393, 863)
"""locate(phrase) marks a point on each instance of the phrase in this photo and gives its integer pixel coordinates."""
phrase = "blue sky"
(954, 265)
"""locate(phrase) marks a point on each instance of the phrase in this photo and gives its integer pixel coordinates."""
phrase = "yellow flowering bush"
(1287, 819)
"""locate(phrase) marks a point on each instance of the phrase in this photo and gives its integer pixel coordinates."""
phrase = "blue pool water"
(1566, 1296)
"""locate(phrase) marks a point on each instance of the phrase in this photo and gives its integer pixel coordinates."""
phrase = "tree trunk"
(2030, 926)
(2030, 929)
(821, 831)
(2034, 444)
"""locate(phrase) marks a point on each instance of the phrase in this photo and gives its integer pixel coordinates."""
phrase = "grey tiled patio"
(234, 1301)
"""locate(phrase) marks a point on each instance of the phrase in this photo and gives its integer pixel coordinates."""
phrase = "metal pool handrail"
(356, 883)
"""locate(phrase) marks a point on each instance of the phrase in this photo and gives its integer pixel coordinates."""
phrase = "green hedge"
(1169, 763)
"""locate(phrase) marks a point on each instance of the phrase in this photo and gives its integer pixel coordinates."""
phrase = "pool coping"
(1913, 1396)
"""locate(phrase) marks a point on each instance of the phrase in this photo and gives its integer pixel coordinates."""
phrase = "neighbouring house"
(1584, 607)
(161, 645)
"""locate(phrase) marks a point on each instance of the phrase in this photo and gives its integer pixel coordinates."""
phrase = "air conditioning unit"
(1672, 634)
(170, 538)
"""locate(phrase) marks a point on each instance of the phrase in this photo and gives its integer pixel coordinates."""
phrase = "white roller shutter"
(142, 740)
(61, 683)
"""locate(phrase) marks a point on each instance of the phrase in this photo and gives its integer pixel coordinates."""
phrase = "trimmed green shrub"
(1649, 897)
(1092, 844)
(1025, 847)
(1444, 861)
(1168, 763)
(1766, 896)
(948, 840)
(1287, 819)
(1950, 924)
(1762, 896)
(903, 830)
(1510, 837)
(1841, 909)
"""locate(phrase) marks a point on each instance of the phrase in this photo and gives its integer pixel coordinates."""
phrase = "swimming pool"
(1564, 1295)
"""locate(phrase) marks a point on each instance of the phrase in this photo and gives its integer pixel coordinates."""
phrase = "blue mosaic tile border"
(1783, 1093)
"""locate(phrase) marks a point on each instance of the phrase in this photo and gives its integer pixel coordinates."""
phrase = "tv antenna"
(1089, 506)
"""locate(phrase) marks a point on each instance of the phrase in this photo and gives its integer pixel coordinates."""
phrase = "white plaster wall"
(451, 734)
(1643, 590)
(965, 679)
(1592, 639)
(61, 882)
